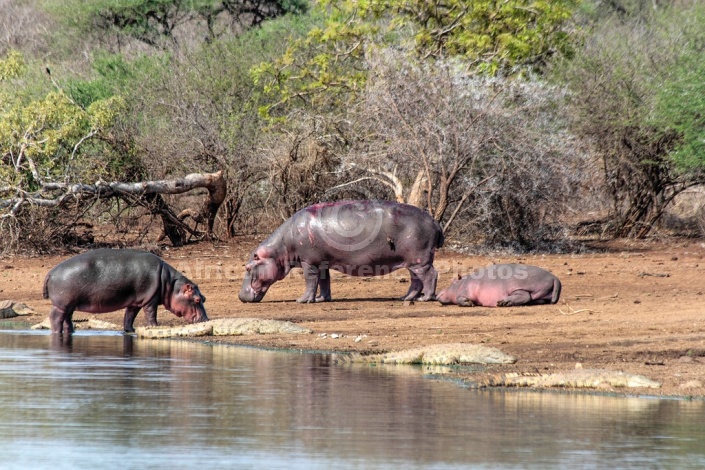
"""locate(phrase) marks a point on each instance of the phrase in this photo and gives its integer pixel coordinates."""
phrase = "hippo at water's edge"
(358, 238)
(503, 285)
(106, 280)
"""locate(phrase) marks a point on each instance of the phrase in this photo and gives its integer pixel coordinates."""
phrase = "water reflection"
(109, 401)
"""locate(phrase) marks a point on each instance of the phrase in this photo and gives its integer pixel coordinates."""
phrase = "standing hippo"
(503, 285)
(358, 238)
(106, 280)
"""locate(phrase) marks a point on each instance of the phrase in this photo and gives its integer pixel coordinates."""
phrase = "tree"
(637, 99)
(44, 140)
(157, 22)
(493, 37)
(486, 157)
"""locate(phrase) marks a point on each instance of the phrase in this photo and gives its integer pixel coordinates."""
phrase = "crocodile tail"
(556, 291)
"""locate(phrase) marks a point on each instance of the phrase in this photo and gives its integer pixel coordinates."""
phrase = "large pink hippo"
(503, 285)
(358, 238)
(106, 280)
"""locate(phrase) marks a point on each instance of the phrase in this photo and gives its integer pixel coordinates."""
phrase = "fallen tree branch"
(144, 193)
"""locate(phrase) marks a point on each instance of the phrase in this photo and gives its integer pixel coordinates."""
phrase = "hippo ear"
(187, 290)
(459, 276)
(255, 257)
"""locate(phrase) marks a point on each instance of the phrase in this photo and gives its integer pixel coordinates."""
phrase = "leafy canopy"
(46, 138)
(154, 22)
(680, 98)
(493, 37)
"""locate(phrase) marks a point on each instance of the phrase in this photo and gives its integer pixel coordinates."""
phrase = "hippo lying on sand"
(503, 285)
(358, 238)
(105, 280)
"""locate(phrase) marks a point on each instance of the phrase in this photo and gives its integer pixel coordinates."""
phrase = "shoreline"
(613, 314)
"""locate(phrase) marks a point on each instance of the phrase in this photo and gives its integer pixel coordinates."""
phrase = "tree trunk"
(145, 193)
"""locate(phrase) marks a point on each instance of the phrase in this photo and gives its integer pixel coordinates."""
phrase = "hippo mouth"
(200, 318)
(251, 295)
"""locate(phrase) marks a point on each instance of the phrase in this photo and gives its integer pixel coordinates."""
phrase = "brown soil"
(635, 307)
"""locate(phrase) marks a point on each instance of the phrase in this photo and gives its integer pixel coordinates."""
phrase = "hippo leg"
(428, 278)
(465, 302)
(61, 320)
(311, 276)
(324, 286)
(415, 287)
(518, 297)
(131, 313)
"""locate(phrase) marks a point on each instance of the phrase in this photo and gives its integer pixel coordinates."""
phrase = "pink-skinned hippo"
(503, 285)
(358, 238)
(105, 280)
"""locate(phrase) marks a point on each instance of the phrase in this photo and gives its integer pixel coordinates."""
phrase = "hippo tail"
(45, 291)
(556, 290)
(440, 238)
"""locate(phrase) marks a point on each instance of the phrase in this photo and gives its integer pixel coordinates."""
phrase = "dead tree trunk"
(146, 193)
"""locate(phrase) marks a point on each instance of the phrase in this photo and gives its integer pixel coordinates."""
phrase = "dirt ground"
(629, 306)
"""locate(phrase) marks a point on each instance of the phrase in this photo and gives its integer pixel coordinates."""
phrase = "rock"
(692, 384)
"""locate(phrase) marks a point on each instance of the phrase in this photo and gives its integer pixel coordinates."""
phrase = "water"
(110, 401)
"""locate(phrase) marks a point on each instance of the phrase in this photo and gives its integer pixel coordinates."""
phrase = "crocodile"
(217, 327)
(437, 354)
(12, 308)
(224, 327)
(579, 378)
(80, 324)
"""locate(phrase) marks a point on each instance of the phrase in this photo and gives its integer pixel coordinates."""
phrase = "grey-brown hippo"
(358, 238)
(106, 280)
(503, 285)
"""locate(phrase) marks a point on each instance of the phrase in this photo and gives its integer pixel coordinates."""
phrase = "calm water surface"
(111, 401)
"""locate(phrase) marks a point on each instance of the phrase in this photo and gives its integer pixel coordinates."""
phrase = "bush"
(635, 100)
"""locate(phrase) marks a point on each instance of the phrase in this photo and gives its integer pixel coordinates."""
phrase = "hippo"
(106, 280)
(358, 238)
(503, 285)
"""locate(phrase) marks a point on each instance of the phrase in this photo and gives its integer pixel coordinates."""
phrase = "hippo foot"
(411, 297)
(504, 303)
(419, 297)
(306, 300)
(465, 302)
(321, 298)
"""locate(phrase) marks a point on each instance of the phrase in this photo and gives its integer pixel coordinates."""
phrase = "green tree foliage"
(493, 37)
(680, 99)
(155, 22)
(637, 97)
(47, 138)
(12, 66)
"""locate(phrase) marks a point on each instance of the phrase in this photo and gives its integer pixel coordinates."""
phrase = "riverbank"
(632, 307)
